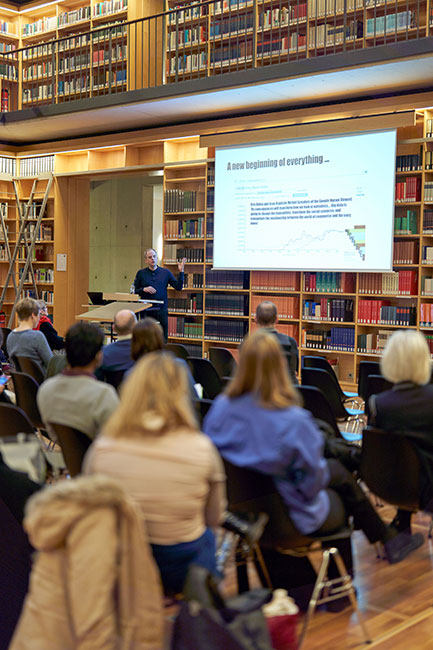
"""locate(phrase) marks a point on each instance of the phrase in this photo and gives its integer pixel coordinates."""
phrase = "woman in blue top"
(258, 423)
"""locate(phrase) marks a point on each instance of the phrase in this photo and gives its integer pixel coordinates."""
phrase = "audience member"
(117, 355)
(94, 583)
(23, 341)
(75, 397)
(267, 318)
(153, 445)
(258, 424)
(407, 408)
(45, 326)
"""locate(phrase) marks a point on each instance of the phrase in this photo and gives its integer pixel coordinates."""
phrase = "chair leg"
(323, 570)
(261, 567)
(241, 569)
(343, 572)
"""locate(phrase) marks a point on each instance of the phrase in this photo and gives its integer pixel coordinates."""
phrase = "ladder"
(24, 238)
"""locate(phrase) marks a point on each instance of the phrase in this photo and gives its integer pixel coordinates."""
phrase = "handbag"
(206, 620)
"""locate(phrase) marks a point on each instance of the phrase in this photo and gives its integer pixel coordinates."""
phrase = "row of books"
(5, 48)
(41, 275)
(331, 34)
(281, 16)
(46, 296)
(39, 254)
(2, 237)
(381, 312)
(186, 37)
(429, 339)
(32, 208)
(187, 63)
(210, 199)
(173, 229)
(8, 166)
(180, 14)
(427, 255)
(227, 304)
(287, 306)
(408, 190)
(105, 78)
(211, 175)
(238, 50)
(8, 71)
(173, 254)
(426, 314)
(73, 62)
(209, 226)
(402, 20)
(409, 162)
(117, 52)
(275, 280)
(406, 224)
(428, 191)
(333, 309)
(227, 279)
(45, 24)
(429, 125)
(192, 304)
(233, 25)
(393, 283)
(193, 281)
(373, 343)
(37, 93)
(37, 70)
(427, 227)
(220, 6)
(74, 16)
(337, 338)
(406, 252)
(428, 165)
(109, 7)
(426, 285)
(320, 8)
(43, 233)
(329, 282)
(32, 167)
(225, 330)
(209, 252)
(178, 326)
(180, 201)
(289, 329)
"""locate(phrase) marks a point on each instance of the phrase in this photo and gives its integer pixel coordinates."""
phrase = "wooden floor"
(396, 600)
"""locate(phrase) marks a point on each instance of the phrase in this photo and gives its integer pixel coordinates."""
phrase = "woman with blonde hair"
(152, 444)
(407, 407)
(258, 423)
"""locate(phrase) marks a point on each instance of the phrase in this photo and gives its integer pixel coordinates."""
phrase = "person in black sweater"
(151, 283)
(45, 326)
(267, 317)
(407, 407)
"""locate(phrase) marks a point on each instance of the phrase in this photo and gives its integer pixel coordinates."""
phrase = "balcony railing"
(199, 40)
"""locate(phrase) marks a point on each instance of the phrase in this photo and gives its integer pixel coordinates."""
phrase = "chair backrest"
(204, 373)
(13, 420)
(390, 467)
(56, 364)
(31, 367)
(375, 384)
(322, 379)
(223, 360)
(202, 406)
(74, 445)
(310, 361)
(114, 377)
(4, 331)
(315, 402)
(366, 368)
(26, 390)
(178, 350)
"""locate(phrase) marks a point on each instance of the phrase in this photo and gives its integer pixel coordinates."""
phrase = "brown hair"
(154, 399)
(262, 370)
(26, 307)
(266, 313)
(147, 336)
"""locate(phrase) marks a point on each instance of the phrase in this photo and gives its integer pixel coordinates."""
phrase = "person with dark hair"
(45, 326)
(267, 317)
(23, 341)
(152, 282)
(75, 397)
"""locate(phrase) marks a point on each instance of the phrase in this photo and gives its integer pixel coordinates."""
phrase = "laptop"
(96, 298)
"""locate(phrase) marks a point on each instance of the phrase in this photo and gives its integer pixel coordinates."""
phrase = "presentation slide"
(325, 204)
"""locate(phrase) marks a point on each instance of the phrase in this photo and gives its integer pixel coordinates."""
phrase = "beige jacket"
(94, 584)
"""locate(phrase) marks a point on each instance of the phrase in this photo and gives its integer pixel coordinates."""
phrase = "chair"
(321, 379)
(114, 377)
(314, 401)
(74, 445)
(375, 384)
(224, 362)
(253, 492)
(178, 350)
(14, 420)
(56, 364)
(21, 456)
(204, 373)
(366, 368)
(5, 331)
(202, 406)
(26, 389)
(30, 367)
(310, 361)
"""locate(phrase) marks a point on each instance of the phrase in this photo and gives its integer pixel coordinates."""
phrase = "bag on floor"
(205, 620)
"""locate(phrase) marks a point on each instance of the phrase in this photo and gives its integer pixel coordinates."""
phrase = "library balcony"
(63, 66)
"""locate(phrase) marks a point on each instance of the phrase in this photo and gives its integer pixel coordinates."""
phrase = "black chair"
(26, 389)
(56, 364)
(14, 420)
(202, 406)
(30, 367)
(204, 373)
(5, 331)
(74, 445)
(322, 379)
(249, 491)
(310, 361)
(366, 368)
(314, 401)
(178, 350)
(114, 377)
(224, 362)
(375, 384)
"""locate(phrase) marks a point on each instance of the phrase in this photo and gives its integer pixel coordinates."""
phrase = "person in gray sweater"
(23, 341)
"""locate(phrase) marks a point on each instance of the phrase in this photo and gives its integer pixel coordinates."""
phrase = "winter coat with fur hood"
(94, 584)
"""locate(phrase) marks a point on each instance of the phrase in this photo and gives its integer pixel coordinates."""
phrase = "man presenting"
(151, 283)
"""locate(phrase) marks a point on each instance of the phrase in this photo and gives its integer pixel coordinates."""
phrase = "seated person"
(259, 424)
(267, 318)
(23, 341)
(45, 326)
(117, 355)
(408, 406)
(75, 397)
(147, 336)
(153, 446)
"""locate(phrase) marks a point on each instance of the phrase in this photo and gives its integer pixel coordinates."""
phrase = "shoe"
(400, 546)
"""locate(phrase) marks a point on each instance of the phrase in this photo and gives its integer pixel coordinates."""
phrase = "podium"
(106, 313)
